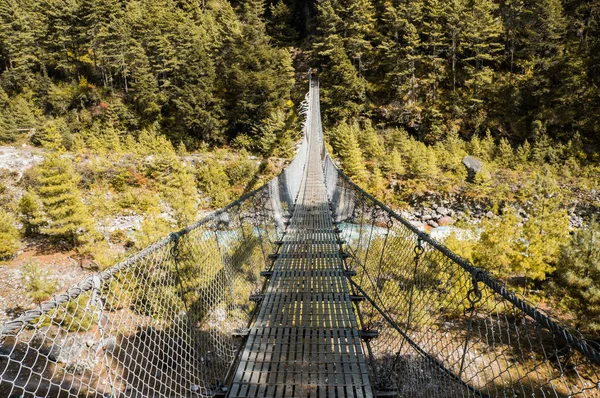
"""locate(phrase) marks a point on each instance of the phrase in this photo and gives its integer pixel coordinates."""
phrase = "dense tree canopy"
(201, 71)
(509, 66)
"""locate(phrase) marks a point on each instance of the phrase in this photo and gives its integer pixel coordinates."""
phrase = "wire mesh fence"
(163, 322)
(446, 328)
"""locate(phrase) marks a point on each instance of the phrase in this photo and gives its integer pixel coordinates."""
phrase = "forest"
(167, 108)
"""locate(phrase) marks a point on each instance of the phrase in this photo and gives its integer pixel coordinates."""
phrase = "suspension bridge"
(306, 287)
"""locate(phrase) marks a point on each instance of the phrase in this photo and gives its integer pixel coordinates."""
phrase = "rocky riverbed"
(432, 210)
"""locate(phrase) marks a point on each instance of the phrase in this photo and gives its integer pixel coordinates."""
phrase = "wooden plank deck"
(305, 341)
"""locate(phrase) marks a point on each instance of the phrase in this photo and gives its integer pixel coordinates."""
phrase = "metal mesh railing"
(159, 324)
(446, 328)
(163, 322)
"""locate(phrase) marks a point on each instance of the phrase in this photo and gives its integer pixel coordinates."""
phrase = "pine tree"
(345, 143)
(9, 236)
(377, 184)
(66, 214)
(498, 249)
(197, 111)
(393, 164)
(488, 147)
(545, 230)
(258, 76)
(32, 216)
(8, 124)
(455, 26)
(60, 39)
(18, 49)
(421, 160)
(481, 44)
(505, 156)
(400, 55)
(144, 87)
(344, 93)
(577, 277)
(435, 44)
(523, 153)
(359, 18)
(214, 183)
(37, 281)
(369, 141)
(280, 26)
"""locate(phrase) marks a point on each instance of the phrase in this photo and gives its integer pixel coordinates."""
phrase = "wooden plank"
(305, 338)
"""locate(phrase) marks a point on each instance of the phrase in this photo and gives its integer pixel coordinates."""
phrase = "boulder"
(433, 224)
(473, 166)
(446, 220)
(442, 211)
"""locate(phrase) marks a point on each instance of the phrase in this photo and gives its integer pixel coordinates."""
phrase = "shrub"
(241, 171)
(9, 236)
(68, 218)
(32, 216)
(421, 160)
(214, 182)
(577, 277)
(37, 281)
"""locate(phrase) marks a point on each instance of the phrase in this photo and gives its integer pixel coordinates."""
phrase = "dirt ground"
(65, 271)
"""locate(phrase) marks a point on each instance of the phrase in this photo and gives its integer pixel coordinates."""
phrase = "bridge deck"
(305, 341)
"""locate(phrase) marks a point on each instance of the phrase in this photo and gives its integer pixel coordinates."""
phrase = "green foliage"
(432, 66)
(393, 163)
(421, 160)
(280, 26)
(369, 142)
(547, 228)
(76, 315)
(37, 281)
(345, 144)
(240, 172)
(197, 74)
(510, 247)
(9, 236)
(377, 183)
(499, 247)
(214, 182)
(577, 277)
(505, 156)
(67, 216)
(32, 216)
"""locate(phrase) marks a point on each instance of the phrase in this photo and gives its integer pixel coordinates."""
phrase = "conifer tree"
(280, 26)
(345, 143)
(8, 124)
(436, 44)
(399, 49)
(498, 249)
(258, 75)
(9, 236)
(482, 30)
(577, 277)
(546, 229)
(523, 153)
(377, 183)
(505, 156)
(369, 141)
(344, 91)
(32, 216)
(488, 147)
(66, 214)
(18, 49)
(393, 164)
